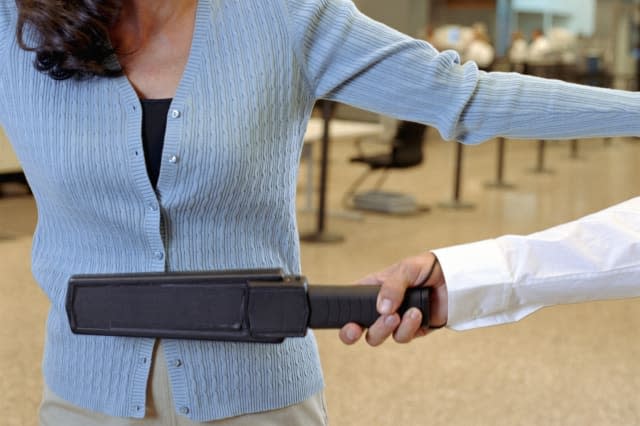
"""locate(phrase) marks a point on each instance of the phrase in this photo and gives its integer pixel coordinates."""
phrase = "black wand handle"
(333, 306)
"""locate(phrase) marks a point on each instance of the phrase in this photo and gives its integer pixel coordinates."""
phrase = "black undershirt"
(154, 123)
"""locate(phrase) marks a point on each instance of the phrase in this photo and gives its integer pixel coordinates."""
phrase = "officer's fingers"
(410, 272)
(392, 292)
(382, 328)
(350, 333)
(409, 326)
(372, 279)
(423, 331)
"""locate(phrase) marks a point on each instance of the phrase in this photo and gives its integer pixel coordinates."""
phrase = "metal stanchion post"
(574, 149)
(455, 203)
(499, 182)
(321, 235)
(540, 167)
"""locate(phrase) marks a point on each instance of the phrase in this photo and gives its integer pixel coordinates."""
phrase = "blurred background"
(590, 37)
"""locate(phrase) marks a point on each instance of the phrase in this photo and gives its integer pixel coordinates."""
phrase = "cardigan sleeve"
(350, 58)
(496, 281)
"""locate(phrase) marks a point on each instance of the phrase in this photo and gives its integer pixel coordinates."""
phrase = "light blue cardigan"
(226, 198)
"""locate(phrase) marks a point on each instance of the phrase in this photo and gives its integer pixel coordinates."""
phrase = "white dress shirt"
(505, 279)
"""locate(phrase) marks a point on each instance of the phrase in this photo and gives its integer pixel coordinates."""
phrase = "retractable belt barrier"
(258, 305)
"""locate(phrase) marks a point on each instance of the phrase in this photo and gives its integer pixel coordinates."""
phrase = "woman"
(242, 78)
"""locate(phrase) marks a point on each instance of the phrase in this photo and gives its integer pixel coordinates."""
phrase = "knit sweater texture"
(225, 197)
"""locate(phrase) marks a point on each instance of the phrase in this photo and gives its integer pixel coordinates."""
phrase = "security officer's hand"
(421, 270)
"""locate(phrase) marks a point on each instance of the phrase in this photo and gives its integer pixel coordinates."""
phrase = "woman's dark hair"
(71, 36)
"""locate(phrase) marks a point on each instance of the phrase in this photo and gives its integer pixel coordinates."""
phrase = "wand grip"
(333, 306)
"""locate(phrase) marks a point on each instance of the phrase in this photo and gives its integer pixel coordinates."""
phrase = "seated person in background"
(479, 49)
(518, 52)
(540, 49)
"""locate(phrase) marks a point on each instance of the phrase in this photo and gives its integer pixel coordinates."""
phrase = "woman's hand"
(422, 270)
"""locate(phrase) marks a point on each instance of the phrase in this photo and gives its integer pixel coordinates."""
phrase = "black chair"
(406, 151)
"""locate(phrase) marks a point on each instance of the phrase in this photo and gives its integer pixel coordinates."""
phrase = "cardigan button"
(175, 113)
(173, 159)
(158, 255)
(184, 410)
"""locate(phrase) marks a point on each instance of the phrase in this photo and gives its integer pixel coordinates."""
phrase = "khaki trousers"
(54, 411)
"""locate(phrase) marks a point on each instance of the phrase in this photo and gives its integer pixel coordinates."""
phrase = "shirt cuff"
(477, 280)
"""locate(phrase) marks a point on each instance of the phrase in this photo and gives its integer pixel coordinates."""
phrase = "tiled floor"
(567, 365)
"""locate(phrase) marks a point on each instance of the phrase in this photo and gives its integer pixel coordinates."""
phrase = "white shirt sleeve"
(502, 280)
